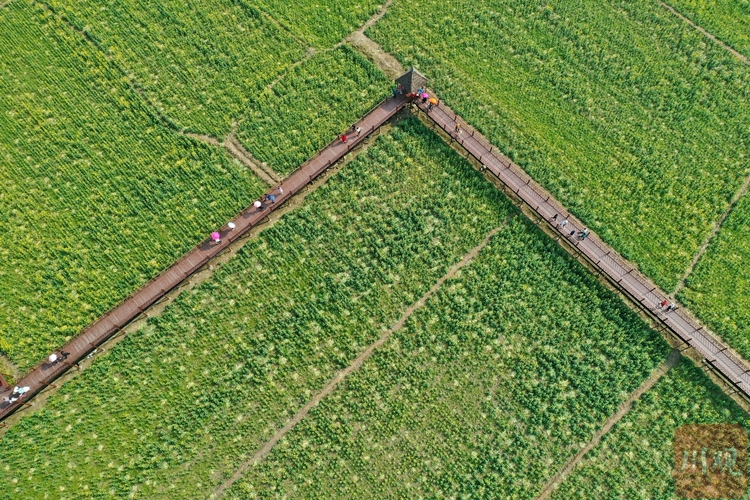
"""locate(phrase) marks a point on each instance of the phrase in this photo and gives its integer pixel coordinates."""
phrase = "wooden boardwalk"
(640, 289)
(714, 351)
(132, 307)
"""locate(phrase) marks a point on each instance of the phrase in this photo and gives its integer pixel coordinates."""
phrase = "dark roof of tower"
(412, 80)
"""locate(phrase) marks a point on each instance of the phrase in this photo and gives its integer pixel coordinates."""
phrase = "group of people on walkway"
(354, 129)
(18, 393)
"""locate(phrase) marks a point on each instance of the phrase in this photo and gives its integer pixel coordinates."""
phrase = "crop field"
(489, 388)
(97, 197)
(318, 100)
(718, 289)
(625, 113)
(232, 359)
(728, 20)
(635, 459)
(201, 63)
(320, 23)
(197, 63)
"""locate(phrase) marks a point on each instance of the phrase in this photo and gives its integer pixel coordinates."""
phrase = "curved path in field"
(622, 273)
(111, 322)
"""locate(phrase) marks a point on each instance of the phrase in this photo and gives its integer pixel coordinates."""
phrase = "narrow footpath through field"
(625, 407)
(706, 33)
(355, 365)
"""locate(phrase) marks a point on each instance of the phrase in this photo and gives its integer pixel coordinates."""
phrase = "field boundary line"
(5, 4)
(131, 307)
(717, 227)
(555, 481)
(203, 274)
(705, 33)
(265, 450)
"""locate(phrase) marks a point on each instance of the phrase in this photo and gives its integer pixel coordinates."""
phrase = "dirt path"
(740, 193)
(706, 33)
(5, 4)
(262, 170)
(263, 452)
(373, 51)
(658, 373)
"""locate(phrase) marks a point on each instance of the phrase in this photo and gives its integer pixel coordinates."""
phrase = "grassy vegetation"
(198, 63)
(629, 116)
(635, 459)
(232, 359)
(320, 23)
(487, 390)
(718, 290)
(318, 100)
(97, 196)
(728, 20)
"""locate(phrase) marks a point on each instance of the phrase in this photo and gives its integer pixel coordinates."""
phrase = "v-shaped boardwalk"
(641, 289)
(115, 319)
(602, 256)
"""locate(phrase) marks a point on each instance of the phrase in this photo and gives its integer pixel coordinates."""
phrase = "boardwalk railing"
(642, 290)
(110, 323)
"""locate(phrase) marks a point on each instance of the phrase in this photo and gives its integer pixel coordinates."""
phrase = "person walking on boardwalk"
(280, 191)
(564, 223)
(343, 138)
(458, 128)
(358, 130)
(584, 233)
(663, 304)
(671, 307)
(258, 205)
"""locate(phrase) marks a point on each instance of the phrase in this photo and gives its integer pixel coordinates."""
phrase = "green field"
(197, 63)
(201, 63)
(620, 109)
(728, 20)
(633, 119)
(635, 459)
(718, 290)
(487, 390)
(97, 196)
(312, 105)
(233, 358)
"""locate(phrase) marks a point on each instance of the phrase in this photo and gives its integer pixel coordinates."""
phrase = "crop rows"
(626, 114)
(318, 100)
(202, 63)
(320, 23)
(198, 63)
(488, 389)
(232, 359)
(718, 289)
(728, 20)
(636, 458)
(96, 196)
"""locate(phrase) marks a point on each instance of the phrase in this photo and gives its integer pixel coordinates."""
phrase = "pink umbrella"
(216, 236)
(425, 95)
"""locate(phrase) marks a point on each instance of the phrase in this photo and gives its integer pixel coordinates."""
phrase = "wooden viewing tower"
(412, 81)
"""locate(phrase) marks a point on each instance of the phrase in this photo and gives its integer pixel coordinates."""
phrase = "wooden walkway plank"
(618, 269)
(91, 337)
